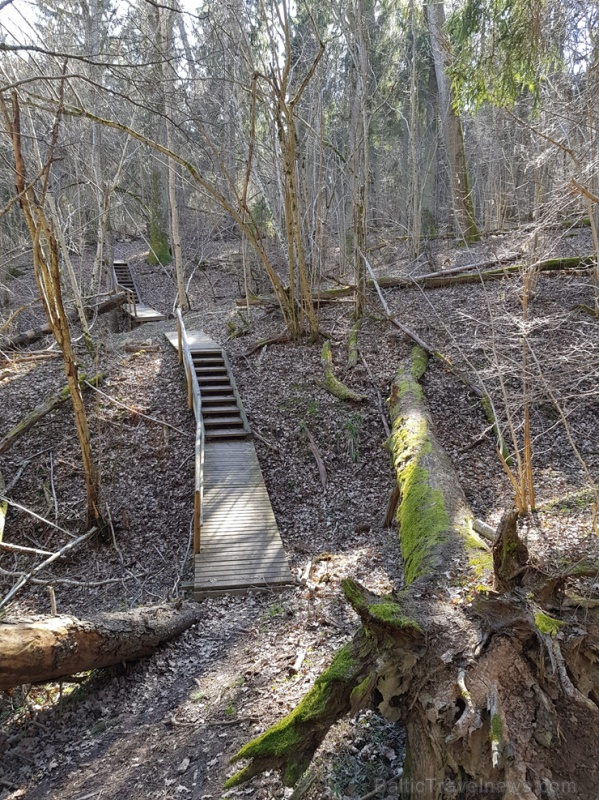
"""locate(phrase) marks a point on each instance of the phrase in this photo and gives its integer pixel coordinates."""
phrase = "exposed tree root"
(333, 384)
(478, 676)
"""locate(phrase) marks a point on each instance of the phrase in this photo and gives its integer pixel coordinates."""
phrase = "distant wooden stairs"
(237, 545)
(124, 281)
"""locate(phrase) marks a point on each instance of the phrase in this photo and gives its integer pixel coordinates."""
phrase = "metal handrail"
(194, 401)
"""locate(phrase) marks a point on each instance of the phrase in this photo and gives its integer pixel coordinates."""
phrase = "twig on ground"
(322, 472)
(17, 548)
(14, 504)
(261, 438)
(53, 488)
(28, 576)
(139, 413)
(379, 399)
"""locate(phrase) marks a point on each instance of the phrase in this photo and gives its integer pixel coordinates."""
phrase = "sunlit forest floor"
(166, 727)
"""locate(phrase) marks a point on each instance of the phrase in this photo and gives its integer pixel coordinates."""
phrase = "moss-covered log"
(43, 409)
(44, 649)
(492, 681)
(469, 275)
(332, 384)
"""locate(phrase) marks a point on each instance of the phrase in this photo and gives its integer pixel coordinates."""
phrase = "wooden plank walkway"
(240, 543)
(134, 308)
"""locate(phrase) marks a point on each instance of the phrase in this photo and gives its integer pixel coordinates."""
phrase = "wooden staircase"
(237, 545)
(124, 281)
(222, 410)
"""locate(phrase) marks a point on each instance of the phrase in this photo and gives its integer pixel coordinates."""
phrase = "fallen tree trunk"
(468, 274)
(33, 334)
(324, 296)
(43, 409)
(54, 647)
(489, 697)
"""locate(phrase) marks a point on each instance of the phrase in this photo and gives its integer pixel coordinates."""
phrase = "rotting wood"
(392, 504)
(42, 410)
(464, 678)
(281, 338)
(54, 647)
(473, 273)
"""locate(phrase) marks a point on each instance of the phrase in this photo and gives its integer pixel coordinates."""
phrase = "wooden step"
(225, 433)
(208, 362)
(211, 399)
(232, 408)
(234, 421)
(216, 370)
(205, 351)
(213, 381)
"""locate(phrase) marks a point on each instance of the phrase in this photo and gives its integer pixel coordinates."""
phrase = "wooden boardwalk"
(240, 547)
(123, 280)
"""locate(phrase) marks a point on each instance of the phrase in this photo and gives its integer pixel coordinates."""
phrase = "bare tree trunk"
(47, 275)
(168, 78)
(463, 208)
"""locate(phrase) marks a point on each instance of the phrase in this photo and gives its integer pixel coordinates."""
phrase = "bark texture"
(53, 647)
(490, 697)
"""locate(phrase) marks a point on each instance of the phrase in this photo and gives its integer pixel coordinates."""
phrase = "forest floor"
(166, 727)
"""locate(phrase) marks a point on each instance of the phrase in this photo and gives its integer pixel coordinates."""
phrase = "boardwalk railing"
(129, 299)
(194, 400)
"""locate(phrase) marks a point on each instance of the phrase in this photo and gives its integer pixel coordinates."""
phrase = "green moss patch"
(419, 362)
(548, 625)
(496, 734)
(386, 609)
(391, 613)
(421, 515)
